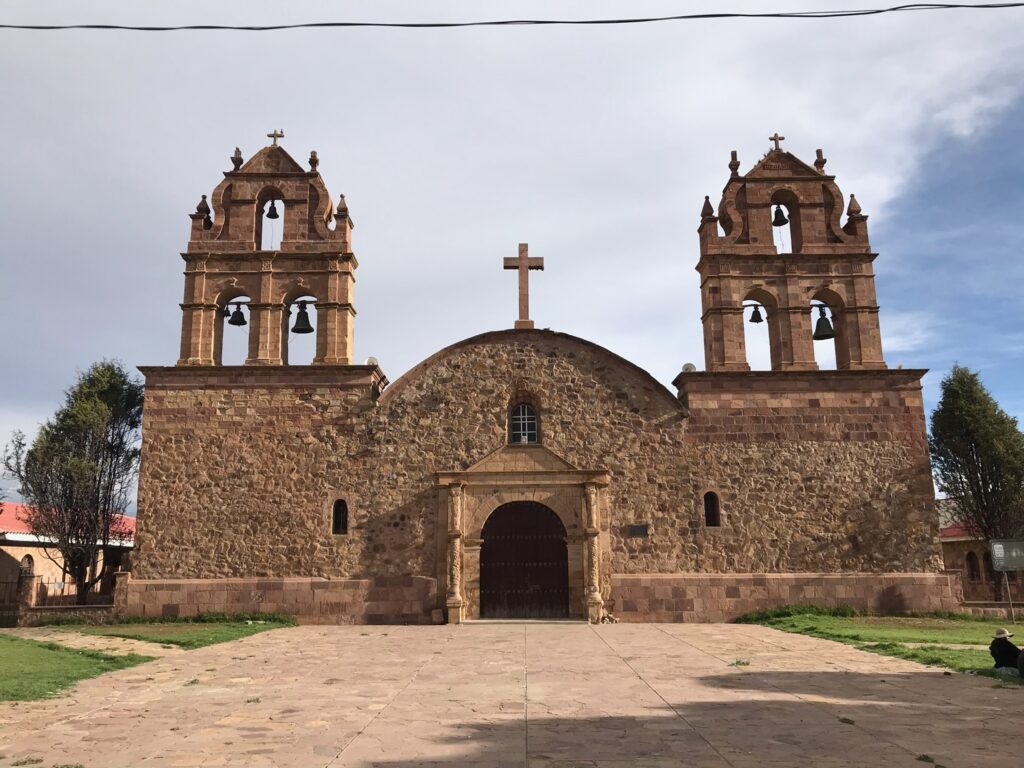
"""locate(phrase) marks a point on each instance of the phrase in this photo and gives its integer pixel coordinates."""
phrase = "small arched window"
(28, 565)
(712, 510)
(522, 424)
(973, 569)
(339, 518)
(990, 572)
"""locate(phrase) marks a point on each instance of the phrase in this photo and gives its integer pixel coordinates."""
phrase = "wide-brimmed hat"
(1001, 633)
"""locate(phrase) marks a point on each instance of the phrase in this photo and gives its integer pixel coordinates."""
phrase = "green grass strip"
(188, 635)
(33, 670)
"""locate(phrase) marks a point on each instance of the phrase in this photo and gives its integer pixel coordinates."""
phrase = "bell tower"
(226, 261)
(824, 261)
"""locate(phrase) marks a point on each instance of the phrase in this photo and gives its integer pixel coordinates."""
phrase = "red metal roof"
(12, 520)
(955, 531)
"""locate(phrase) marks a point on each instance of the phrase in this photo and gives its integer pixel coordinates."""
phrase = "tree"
(978, 459)
(77, 474)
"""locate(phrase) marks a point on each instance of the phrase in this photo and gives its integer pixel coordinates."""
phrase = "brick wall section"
(691, 597)
(380, 600)
(857, 406)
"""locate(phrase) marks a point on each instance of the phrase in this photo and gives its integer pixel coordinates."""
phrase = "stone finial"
(708, 210)
(734, 164)
(236, 159)
(819, 161)
(342, 206)
(314, 161)
(854, 207)
(203, 208)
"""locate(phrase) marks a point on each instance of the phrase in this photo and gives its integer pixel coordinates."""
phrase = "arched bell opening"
(231, 330)
(524, 563)
(299, 331)
(828, 331)
(761, 330)
(785, 211)
(270, 212)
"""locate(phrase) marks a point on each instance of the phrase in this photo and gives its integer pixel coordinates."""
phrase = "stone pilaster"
(454, 601)
(595, 605)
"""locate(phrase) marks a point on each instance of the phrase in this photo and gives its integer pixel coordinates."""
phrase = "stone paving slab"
(529, 694)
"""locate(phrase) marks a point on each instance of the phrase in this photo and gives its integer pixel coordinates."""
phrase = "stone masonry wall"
(381, 600)
(241, 465)
(723, 597)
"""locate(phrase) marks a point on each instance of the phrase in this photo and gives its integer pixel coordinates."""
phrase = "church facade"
(527, 473)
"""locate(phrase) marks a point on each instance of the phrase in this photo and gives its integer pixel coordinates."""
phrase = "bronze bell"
(823, 329)
(272, 213)
(302, 321)
(755, 316)
(780, 219)
(237, 318)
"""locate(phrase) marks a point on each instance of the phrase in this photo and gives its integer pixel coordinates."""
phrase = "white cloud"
(596, 145)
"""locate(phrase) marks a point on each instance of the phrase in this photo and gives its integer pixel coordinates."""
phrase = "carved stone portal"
(517, 473)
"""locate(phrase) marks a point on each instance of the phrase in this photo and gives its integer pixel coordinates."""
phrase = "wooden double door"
(524, 564)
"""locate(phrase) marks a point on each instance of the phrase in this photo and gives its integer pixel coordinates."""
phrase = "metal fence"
(51, 593)
(8, 602)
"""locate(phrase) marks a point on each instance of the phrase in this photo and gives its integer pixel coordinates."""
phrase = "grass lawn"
(34, 670)
(922, 639)
(186, 634)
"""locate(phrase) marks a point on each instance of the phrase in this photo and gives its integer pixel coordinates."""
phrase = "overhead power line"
(521, 22)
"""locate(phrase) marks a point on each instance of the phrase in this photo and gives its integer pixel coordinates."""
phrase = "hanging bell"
(272, 213)
(302, 321)
(755, 316)
(823, 329)
(237, 318)
(780, 219)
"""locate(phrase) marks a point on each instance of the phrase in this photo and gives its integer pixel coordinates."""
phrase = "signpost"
(1007, 555)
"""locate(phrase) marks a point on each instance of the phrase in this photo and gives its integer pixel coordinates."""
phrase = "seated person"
(1003, 651)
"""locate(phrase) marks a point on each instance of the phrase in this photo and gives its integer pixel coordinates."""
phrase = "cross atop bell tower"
(524, 263)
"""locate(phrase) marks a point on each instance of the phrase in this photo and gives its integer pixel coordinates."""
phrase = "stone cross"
(275, 135)
(524, 264)
(776, 138)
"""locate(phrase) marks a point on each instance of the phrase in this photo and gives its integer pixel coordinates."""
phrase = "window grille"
(522, 424)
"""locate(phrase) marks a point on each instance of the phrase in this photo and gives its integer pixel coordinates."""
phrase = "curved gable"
(542, 338)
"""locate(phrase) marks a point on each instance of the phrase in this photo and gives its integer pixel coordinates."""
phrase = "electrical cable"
(520, 22)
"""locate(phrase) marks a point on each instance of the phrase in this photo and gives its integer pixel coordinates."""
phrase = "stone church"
(527, 473)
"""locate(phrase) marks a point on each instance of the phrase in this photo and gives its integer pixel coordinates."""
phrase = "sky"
(596, 145)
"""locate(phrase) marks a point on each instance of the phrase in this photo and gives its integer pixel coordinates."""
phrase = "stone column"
(595, 605)
(455, 603)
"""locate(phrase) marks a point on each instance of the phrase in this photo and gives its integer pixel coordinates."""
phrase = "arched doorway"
(524, 565)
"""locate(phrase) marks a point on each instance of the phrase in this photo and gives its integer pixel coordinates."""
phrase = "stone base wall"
(379, 600)
(695, 597)
(80, 614)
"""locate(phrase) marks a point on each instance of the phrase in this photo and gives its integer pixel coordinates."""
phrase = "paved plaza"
(551, 695)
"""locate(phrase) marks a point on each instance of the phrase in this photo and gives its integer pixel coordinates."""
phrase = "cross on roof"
(275, 135)
(776, 138)
(524, 264)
